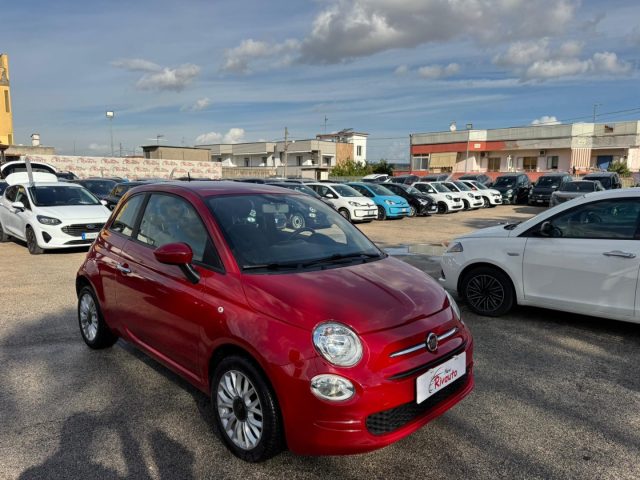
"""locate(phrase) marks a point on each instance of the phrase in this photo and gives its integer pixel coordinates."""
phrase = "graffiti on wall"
(130, 167)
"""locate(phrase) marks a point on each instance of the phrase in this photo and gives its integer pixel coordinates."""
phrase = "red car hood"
(368, 297)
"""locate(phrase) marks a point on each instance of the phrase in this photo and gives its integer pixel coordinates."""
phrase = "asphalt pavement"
(557, 396)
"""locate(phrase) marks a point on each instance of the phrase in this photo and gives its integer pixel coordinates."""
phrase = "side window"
(610, 219)
(126, 219)
(21, 196)
(170, 219)
(10, 194)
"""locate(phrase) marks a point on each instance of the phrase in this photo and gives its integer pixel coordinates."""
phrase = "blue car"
(389, 204)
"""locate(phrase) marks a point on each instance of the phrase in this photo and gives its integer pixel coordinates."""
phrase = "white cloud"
(98, 148)
(546, 120)
(252, 53)
(402, 70)
(523, 53)
(199, 105)
(433, 72)
(234, 135)
(157, 77)
(608, 63)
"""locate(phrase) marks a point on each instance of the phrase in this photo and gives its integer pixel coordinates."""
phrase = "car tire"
(241, 395)
(466, 205)
(3, 235)
(94, 330)
(442, 208)
(382, 213)
(297, 221)
(488, 291)
(485, 202)
(32, 242)
(345, 213)
(412, 211)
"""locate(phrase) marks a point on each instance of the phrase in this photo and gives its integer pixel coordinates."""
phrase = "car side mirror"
(546, 229)
(103, 202)
(18, 206)
(329, 195)
(179, 254)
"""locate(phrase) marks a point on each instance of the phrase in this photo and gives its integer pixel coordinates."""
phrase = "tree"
(350, 168)
(620, 168)
(382, 167)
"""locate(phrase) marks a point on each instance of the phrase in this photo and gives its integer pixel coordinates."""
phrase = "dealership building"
(585, 146)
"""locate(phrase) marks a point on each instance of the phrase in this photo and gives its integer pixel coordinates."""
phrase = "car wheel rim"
(88, 317)
(345, 214)
(31, 240)
(381, 213)
(485, 293)
(412, 211)
(240, 410)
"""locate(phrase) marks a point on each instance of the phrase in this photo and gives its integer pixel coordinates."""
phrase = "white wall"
(359, 141)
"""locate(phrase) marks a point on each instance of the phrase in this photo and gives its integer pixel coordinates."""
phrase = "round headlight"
(338, 344)
(449, 197)
(332, 387)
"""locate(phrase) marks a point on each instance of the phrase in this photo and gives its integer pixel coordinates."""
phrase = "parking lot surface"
(557, 395)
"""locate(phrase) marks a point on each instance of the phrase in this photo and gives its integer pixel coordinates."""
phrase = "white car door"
(588, 259)
(11, 217)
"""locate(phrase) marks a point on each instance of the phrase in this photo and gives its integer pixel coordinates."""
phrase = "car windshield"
(605, 181)
(412, 191)
(505, 182)
(547, 182)
(98, 187)
(480, 186)
(380, 190)
(462, 186)
(578, 187)
(278, 233)
(441, 188)
(61, 195)
(346, 191)
(298, 187)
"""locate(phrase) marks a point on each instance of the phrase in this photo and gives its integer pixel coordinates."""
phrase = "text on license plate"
(440, 377)
(89, 236)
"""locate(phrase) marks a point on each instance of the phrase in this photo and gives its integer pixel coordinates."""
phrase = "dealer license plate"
(90, 236)
(440, 377)
(540, 201)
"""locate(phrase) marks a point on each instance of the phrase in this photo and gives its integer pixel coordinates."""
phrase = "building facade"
(352, 145)
(174, 153)
(583, 146)
(6, 113)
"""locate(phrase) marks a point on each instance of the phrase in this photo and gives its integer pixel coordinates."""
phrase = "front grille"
(390, 420)
(78, 229)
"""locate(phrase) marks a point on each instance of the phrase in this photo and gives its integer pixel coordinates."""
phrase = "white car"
(349, 202)
(50, 215)
(471, 200)
(491, 196)
(446, 200)
(581, 256)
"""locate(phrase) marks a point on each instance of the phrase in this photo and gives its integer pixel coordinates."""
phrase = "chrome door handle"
(123, 269)
(618, 253)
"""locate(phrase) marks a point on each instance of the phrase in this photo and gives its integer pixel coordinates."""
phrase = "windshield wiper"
(273, 266)
(343, 258)
(511, 226)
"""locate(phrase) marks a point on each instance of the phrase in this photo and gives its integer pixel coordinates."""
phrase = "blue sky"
(197, 71)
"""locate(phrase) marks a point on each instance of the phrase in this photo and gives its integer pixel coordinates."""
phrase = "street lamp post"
(110, 116)
(466, 158)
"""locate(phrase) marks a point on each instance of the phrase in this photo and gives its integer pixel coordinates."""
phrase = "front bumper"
(393, 211)
(495, 199)
(365, 213)
(67, 235)
(383, 410)
(539, 199)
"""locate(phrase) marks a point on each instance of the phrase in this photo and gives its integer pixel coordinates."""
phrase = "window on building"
(326, 160)
(247, 162)
(299, 160)
(493, 164)
(6, 101)
(530, 164)
(420, 162)
(219, 159)
(552, 162)
(264, 161)
(359, 150)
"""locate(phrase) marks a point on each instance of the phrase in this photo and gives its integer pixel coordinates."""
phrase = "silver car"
(571, 190)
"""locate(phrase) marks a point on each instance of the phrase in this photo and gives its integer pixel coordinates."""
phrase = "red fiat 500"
(303, 332)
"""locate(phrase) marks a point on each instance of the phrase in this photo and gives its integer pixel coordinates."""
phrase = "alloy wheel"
(88, 317)
(239, 409)
(412, 211)
(485, 293)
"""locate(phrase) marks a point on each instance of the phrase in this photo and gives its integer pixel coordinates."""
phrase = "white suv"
(50, 215)
(446, 200)
(349, 202)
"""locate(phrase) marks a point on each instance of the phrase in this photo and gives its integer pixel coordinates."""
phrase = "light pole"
(110, 116)
(466, 159)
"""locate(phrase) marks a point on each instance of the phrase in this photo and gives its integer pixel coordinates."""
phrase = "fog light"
(46, 237)
(332, 387)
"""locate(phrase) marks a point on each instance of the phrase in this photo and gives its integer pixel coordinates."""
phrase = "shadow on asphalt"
(552, 399)
(57, 251)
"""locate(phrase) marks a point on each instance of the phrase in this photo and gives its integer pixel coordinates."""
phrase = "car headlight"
(355, 204)
(454, 306)
(509, 192)
(332, 387)
(389, 202)
(48, 220)
(338, 344)
(455, 247)
(422, 201)
(449, 197)
(470, 195)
